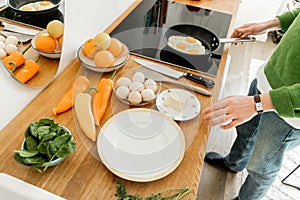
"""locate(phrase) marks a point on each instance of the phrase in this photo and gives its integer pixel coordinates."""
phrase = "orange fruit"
(115, 47)
(60, 41)
(89, 48)
(45, 42)
(104, 58)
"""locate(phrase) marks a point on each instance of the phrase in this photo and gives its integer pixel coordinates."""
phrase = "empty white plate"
(141, 144)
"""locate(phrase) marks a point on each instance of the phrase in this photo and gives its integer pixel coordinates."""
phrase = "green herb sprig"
(170, 194)
(44, 142)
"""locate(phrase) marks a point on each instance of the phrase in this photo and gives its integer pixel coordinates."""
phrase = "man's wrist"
(258, 104)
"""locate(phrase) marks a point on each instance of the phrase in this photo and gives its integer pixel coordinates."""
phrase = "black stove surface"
(34, 20)
(143, 32)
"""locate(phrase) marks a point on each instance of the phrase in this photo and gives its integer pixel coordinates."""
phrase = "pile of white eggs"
(7, 45)
(136, 89)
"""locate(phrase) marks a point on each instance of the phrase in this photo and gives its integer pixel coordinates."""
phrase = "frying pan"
(16, 4)
(208, 39)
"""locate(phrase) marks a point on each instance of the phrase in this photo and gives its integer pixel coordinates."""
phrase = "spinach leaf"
(48, 136)
(58, 142)
(66, 149)
(25, 153)
(42, 148)
(37, 161)
(33, 129)
(42, 131)
(30, 143)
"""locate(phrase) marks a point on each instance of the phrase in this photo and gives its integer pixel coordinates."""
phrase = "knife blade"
(21, 37)
(18, 29)
(175, 73)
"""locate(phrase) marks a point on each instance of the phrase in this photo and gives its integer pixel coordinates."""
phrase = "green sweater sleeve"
(286, 100)
(287, 18)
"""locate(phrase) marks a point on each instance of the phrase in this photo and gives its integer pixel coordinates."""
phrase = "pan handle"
(235, 40)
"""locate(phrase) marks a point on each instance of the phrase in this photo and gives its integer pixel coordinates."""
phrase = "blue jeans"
(260, 146)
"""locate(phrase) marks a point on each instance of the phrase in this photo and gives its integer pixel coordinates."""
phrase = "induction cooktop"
(143, 32)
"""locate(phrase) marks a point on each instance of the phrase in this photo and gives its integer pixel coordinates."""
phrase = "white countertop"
(80, 22)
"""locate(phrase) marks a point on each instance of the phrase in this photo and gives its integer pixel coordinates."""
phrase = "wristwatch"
(258, 104)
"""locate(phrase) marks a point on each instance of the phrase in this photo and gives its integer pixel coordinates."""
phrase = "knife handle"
(199, 79)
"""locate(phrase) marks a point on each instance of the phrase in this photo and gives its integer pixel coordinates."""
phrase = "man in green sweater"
(268, 119)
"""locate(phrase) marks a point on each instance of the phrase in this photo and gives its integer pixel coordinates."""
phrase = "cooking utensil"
(18, 29)
(208, 39)
(21, 37)
(175, 73)
(159, 77)
(16, 4)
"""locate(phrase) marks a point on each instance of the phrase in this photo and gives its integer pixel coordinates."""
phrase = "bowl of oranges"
(48, 42)
(103, 53)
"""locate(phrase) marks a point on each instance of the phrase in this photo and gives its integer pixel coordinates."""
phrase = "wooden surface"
(81, 175)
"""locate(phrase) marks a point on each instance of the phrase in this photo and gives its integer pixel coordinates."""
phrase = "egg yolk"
(27, 8)
(194, 51)
(181, 45)
(190, 40)
(45, 3)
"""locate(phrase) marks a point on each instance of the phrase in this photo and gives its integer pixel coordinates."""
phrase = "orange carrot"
(28, 71)
(101, 98)
(81, 84)
(13, 60)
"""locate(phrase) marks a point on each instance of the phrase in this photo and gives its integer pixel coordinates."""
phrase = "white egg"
(135, 97)
(123, 91)
(9, 48)
(138, 77)
(2, 45)
(147, 94)
(12, 40)
(2, 38)
(2, 53)
(150, 84)
(136, 86)
(187, 45)
(123, 81)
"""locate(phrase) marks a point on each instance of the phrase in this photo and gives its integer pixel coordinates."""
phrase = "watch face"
(259, 107)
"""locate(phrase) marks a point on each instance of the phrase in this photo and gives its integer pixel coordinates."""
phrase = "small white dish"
(119, 62)
(53, 55)
(17, 189)
(189, 110)
(132, 153)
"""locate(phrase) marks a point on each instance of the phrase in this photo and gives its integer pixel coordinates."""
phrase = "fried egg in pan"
(189, 45)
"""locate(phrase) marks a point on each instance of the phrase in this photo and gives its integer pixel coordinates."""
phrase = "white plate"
(16, 189)
(119, 62)
(189, 110)
(141, 144)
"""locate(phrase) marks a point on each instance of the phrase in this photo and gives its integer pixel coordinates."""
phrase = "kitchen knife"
(175, 73)
(18, 29)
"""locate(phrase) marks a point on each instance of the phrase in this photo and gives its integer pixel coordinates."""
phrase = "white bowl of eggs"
(132, 88)
(103, 53)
